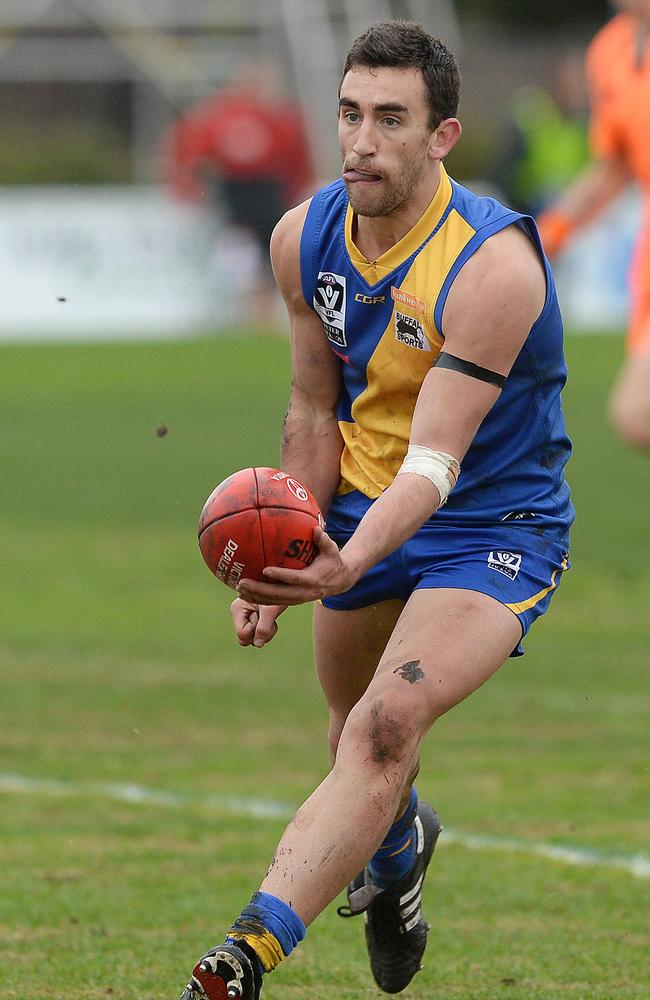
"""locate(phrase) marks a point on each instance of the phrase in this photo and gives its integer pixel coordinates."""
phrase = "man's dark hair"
(406, 44)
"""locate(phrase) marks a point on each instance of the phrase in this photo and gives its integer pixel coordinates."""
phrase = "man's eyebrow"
(387, 107)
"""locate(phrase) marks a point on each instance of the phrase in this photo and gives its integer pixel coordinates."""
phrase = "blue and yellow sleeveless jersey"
(383, 320)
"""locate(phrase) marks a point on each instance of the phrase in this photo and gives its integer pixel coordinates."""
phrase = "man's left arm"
(490, 310)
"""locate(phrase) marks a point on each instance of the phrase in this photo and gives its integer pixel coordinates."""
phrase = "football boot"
(226, 972)
(396, 931)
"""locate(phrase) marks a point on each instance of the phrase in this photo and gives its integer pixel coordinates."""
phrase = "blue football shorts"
(520, 565)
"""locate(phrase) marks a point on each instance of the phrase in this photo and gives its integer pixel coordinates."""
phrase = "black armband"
(455, 364)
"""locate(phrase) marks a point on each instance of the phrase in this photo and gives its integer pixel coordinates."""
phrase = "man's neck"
(375, 235)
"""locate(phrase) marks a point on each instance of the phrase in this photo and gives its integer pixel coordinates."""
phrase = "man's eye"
(352, 117)
(391, 122)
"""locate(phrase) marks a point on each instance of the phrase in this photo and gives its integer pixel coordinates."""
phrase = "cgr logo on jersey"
(508, 563)
(329, 303)
(409, 331)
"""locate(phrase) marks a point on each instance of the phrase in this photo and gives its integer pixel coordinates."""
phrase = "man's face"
(384, 136)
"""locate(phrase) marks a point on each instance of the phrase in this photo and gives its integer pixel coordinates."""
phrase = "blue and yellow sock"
(270, 928)
(397, 854)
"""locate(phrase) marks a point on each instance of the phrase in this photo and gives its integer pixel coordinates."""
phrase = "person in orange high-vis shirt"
(618, 71)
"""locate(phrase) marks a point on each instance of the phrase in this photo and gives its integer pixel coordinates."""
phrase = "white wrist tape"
(441, 469)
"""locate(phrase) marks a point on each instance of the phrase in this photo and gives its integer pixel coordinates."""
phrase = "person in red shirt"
(243, 150)
(618, 71)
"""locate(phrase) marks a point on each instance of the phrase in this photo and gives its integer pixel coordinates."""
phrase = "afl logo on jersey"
(329, 303)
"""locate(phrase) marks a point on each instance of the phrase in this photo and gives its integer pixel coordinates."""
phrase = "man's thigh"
(445, 645)
(348, 646)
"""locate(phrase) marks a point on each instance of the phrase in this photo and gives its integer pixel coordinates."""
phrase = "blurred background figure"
(546, 137)
(618, 69)
(244, 153)
(94, 94)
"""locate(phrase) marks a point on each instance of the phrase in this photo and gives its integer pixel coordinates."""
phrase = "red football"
(257, 518)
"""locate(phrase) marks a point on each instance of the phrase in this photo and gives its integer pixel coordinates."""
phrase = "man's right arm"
(311, 440)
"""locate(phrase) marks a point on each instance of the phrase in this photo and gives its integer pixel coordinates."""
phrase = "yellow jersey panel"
(377, 437)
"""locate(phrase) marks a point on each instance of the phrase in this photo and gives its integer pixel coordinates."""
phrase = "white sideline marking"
(135, 794)
(637, 864)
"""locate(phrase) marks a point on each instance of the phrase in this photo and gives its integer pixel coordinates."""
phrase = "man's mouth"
(356, 176)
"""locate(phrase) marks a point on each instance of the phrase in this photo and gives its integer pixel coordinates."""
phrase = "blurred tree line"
(540, 14)
(75, 133)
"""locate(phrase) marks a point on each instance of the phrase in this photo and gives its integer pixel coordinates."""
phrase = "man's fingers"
(267, 625)
(303, 577)
(245, 618)
(323, 540)
(255, 625)
(264, 634)
(277, 592)
(283, 575)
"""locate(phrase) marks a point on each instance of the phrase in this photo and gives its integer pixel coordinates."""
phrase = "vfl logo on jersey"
(508, 563)
(409, 331)
(329, 303)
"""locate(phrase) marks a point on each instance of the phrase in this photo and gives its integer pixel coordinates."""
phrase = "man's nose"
(365, 143)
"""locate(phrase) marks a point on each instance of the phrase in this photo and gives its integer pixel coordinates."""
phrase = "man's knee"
(384, 729)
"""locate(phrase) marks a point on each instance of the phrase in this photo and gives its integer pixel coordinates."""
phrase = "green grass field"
(147, 762)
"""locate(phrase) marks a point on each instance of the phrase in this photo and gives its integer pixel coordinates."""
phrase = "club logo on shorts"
(508, 563)
(409, 331)
(329, 303)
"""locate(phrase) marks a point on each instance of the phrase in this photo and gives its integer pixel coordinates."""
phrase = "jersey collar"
(374, 271)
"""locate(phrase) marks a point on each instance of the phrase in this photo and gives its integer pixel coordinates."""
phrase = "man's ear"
(444, 138)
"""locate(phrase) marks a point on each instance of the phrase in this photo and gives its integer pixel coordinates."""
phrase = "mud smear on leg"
(387, 740)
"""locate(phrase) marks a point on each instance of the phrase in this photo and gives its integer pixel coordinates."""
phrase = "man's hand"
(328, 574)
(255, 626)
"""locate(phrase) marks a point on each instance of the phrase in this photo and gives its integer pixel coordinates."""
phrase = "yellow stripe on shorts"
(536, 598)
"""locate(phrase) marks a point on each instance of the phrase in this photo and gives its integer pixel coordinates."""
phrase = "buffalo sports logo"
(508, 563)
(329, 303)
(409, 331)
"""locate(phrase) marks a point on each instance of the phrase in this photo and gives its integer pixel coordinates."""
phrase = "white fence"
(95, 262)
(129, 262)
